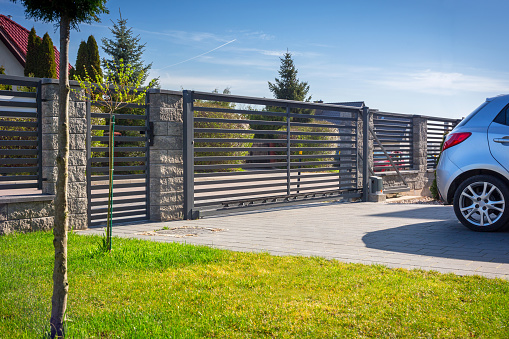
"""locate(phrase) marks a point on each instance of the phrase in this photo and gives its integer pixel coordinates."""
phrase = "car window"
(471, 115)
(502, 117)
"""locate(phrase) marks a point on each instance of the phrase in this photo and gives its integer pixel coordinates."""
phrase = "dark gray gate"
(245, 153)
(131, 170)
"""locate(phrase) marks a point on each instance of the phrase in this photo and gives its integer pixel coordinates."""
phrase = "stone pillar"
(166, 155)
(77, 189)
(420, 146)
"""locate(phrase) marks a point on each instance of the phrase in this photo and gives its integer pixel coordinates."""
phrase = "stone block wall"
(166, 156)
(29, 213)
(77, 189)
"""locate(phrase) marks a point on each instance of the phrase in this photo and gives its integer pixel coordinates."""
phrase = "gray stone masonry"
(77, 190)
(166, 156)
(26, 213)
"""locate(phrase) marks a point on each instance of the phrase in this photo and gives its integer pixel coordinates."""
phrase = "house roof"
(15, 37)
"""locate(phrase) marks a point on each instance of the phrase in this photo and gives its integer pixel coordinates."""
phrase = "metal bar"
(25, 104)
(32, 169)
(118, 214)
(120, 159)
(22, 134)
(365, 152)
(119, 139)
(117, 177)
(89, 161)
(18, 94)
(125, 201)
(18, 161)
(18, 124)
(119, 149)
(18, 186)
(118, 169)
(387, 155)
(123, 185)
(18, 177)
(18, 80)
(19, 152)
(119, 116)
(120, 128)
(119, 208)
(272, 102)
(148, 134)
(117, 195)
(16, 114)
(188, 154)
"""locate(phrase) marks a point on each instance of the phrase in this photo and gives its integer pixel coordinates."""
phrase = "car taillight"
(455, 138)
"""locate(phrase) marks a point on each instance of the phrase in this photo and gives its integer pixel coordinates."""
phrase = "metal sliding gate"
(131, 170)
(244, 153)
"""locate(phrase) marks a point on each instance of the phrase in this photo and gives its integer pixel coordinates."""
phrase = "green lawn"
(153, 290)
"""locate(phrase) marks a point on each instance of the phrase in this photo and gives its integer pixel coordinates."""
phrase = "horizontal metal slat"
(18, 177)
(18, 94)
(7, 170)
(118, 177)
(17, 161)
(22, 134)
(117, 221)
(124, 201)
(16, 114)
(117, 195)
(119, 139)
(119, 128)
(118, 214)
(23, 124)
(236, 195)
(21, 104)
(118, 159)
(236, 188)
(120, 149)
(18, 186)
(11, 152)
(123, 185)
(119, 116)
(119, 169)
(4, 143)
(119, 208)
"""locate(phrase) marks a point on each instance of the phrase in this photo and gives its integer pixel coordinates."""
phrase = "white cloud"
(442, 83)
(241, 86)
(186, 37)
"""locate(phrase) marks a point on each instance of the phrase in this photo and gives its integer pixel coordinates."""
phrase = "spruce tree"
(94, 61)
(48, 67)
(81, 61)
(126, 47)
(32, 58)
(288, 86)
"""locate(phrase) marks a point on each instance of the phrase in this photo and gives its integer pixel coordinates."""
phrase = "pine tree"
(288, 87)
(32, 58)
(124, 47)
(94, 61)
(48, 67)
(81, 61)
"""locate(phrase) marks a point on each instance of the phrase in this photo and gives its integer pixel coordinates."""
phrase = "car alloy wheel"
(480, 203)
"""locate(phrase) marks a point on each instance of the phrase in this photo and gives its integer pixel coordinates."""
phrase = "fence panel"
(251, 153)
(437, 128)
(20, 135)
(395, 132)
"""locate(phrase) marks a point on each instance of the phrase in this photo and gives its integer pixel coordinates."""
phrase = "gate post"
(188, 156)
(166, 168)
(367, 151)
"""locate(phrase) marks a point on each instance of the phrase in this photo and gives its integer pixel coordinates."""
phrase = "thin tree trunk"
(60, 284)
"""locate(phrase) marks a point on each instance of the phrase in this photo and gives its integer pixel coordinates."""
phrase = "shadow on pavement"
(444, 239)
(437, 212)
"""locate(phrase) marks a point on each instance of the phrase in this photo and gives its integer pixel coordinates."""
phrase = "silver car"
(473, 171)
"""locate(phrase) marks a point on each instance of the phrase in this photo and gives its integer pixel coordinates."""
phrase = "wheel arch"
(465, 175)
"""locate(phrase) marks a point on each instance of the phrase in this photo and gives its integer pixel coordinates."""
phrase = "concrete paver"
(396, 235)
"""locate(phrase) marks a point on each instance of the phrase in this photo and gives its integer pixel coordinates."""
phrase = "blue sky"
(431, 57)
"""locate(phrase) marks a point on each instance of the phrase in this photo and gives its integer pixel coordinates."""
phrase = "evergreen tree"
(94, 61)
(48, 67)
(4, 87)
(81, 61)
(288, 87)
(32, 58)
(124, 47)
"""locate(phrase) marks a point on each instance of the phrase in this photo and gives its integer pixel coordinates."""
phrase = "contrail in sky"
(212, 50)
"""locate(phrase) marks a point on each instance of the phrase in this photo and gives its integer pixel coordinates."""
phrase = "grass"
(154, 290)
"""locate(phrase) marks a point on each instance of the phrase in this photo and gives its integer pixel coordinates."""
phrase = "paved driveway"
(396, 235)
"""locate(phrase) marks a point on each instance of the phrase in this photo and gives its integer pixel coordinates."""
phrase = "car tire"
(481, 203)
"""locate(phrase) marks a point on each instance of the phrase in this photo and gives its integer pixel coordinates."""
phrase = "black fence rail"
(395, 133)
(131, 169)
(20, 135)
(437, 128)
(243, 152)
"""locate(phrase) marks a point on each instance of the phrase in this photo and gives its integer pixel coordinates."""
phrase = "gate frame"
(191, 213)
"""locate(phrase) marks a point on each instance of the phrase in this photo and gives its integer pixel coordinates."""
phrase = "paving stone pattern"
(409, 236)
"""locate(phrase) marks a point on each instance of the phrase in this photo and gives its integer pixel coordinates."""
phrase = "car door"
(498, 138)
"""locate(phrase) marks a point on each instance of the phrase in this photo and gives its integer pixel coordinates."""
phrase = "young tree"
(66, 14)
(124, 46)
(288, 87)
(47, 66)
(32, 59)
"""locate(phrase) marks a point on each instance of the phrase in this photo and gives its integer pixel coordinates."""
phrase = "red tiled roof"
(15, 37)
